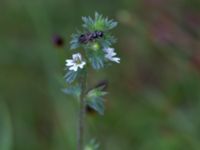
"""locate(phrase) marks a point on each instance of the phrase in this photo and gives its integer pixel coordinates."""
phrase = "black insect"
(90, 36)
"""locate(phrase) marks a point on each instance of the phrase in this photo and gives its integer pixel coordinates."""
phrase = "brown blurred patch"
(192, 19)
(195, 59)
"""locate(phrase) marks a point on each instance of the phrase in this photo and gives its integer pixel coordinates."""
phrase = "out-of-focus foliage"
(92, 145)
(154, 100)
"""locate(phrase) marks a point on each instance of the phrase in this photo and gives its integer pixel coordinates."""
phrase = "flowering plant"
(91, 48)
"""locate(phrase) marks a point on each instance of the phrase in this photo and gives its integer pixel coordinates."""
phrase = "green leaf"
(97, 62)
(110, 24)
(97, 92)
(94, 99)
(70, 76)
(96, 58)
(97, 104)
(107, 40)
(74, 43)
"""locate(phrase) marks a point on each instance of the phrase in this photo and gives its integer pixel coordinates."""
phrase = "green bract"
(70, 76)
(94, 100)
(98, 23)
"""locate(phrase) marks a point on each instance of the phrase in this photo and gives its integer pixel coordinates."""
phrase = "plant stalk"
(81, 115)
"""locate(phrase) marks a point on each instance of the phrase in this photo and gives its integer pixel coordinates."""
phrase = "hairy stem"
(81, 115)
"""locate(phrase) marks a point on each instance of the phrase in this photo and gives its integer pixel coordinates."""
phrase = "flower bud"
(95, 46)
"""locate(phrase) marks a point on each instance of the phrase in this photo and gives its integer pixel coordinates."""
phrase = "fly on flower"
(76, 62)
(111, 55)
(90, 36)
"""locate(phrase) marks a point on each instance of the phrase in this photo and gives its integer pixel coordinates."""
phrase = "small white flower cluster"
(77, 62)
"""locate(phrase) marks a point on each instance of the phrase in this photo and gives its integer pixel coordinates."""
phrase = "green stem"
(81, 115)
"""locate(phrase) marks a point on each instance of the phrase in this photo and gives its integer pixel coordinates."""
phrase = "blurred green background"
(154, 100)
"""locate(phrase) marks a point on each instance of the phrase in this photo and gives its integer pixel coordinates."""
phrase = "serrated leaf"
(97, 92)
(96, 59)
(94, 100)
(74, 43)
(97, 104)
(111, 24)
(98, 23)
(70, 76)
(107, 41)
(97, 63)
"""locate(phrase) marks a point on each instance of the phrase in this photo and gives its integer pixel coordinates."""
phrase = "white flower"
(110, 55)
(75, 62)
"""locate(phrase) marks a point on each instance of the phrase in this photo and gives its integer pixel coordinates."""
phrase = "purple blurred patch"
(162, 31)
(193, 19)
(57, 41)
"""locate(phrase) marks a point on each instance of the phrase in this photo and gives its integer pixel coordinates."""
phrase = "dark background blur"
(154, 100)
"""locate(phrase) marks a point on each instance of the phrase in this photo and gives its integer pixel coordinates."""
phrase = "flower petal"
(82, 64)
(69, 62)
(74, 67)
(108, 50)
(116, 59)
(77, 56)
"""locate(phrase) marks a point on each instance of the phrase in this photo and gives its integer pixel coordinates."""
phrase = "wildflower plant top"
(93, 42)
(91, 48)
